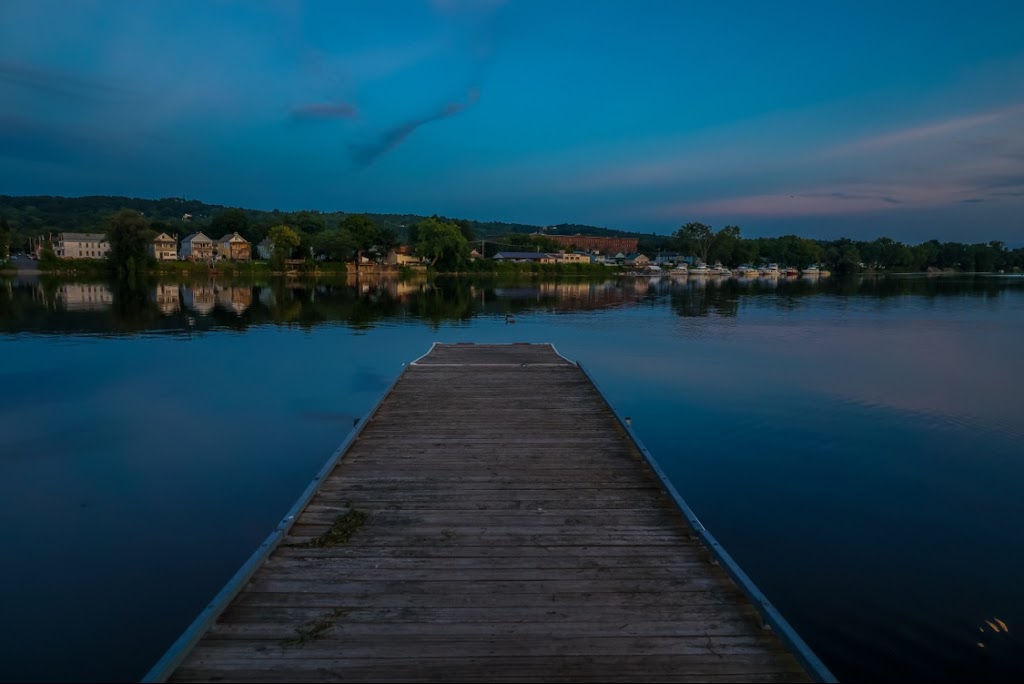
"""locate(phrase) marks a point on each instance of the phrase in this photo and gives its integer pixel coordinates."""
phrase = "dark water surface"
(857, 446)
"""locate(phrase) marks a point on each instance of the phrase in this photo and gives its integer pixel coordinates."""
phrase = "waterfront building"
(196, 247)
(81, 246)
(164, 248)
(234, 247)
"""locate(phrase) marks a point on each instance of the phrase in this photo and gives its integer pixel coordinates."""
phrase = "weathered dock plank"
(513, 531)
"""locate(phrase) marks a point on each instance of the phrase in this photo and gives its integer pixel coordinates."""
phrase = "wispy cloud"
(925, 131)
(55, 82)
(325, 110)
(364, 154)
(846, 199)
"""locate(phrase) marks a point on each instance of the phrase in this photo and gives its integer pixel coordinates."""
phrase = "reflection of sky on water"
(859, 456)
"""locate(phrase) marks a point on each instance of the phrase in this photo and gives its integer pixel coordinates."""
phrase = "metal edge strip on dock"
(769, 613)
(176, 654)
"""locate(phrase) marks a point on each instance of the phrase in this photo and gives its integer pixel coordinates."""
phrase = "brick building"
(592, 243)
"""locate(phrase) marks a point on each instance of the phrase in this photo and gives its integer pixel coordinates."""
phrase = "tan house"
(234, 247)
(234, 299)
(164, 248)
(401, 256)
(637, 261)
(196, 247)
(81, 246)
(571, 258)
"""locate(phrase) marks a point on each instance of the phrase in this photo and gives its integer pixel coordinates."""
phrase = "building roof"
(163, 237)
(636, 255)
(92, 237)
(267, 242)
(533, 256)
(191, 237)
(230, 237)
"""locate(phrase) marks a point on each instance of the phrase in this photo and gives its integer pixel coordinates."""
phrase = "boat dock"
(492, 519)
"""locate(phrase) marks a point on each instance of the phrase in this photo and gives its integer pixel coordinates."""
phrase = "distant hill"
(42, 214)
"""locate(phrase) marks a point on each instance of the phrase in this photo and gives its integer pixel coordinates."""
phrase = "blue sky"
(817, 118)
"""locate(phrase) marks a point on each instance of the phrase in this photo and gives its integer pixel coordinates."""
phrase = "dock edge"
(769, 613)
(177, 652)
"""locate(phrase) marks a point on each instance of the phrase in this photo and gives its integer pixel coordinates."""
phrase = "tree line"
(842, 256)
(446, 242)
(442, 243)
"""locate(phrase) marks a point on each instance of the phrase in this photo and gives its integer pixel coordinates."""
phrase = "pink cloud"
(924, 131)
(818, 202)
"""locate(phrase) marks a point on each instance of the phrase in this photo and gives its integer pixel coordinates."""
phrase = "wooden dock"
(498, 522)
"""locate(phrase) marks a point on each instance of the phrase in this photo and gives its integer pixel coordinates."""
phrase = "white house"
(81, 246)
(196, 247)
(265, 249)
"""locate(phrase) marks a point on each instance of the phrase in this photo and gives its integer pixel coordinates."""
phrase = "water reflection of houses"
(198, 298)
(79, 297)
(167, 298)
(568, 296)
(234, 299)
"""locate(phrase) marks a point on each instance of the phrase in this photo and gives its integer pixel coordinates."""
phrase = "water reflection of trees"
(54, 306)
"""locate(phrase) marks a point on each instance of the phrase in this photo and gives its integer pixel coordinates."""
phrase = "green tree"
(362, 233)
(308, 222)
(843, 256)
(230, 221)
(724, 244)
(335, 245)
(700, 237)
(129, 236)
(443, 244)
(387, 239)
(47, 257)
(530, 243)
(284, 241)
(5, 239)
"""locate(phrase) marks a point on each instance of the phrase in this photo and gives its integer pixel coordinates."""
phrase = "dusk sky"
(816, 118)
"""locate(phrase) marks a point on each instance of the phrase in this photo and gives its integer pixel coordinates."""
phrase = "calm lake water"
(857, 446)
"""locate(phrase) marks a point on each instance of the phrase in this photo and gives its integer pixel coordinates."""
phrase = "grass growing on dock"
(314, 630)
(341, 531)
